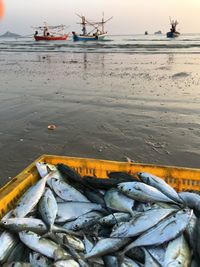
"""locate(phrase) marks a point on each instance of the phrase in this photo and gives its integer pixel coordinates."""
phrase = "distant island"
(9, 35)
(158, 32)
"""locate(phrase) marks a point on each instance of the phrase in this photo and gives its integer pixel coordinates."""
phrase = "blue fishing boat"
(173, 33)
(96, 33)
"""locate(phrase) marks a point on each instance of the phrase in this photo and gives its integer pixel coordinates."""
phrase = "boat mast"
(103, 22)
(84, 25)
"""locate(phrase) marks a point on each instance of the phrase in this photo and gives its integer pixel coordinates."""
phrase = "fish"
(149, 260)
(31, 197)
(38, 260)
(158, 253)
(191, 200)
(108, 220)
(43, 246)
(164, 231)
(7, 243)
(72, 241)
(69, 211)
(141, 222)
(190, 231)
(178, 253)
(18, 254)
(127, 262)
(117, 201)
(161, 185)
(111, 261)
(142, 192)
(105, 246)
(32, 224)
(86, 220)
(66, 263)
(48, 208)
(66, 191)
(115, 218)
(18, 264)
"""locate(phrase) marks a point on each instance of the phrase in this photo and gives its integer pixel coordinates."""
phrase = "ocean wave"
(114, 44)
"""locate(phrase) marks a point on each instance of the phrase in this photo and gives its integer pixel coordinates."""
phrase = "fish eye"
(129, 189)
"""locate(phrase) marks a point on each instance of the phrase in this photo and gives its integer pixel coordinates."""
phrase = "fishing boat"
(173, 33)
(50, 33)
(96, 33)
(146, 33)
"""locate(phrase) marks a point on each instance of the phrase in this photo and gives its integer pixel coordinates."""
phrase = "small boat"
(158, 32)
(97, 32)
(146, 33)
(50, 33)
(173, 33)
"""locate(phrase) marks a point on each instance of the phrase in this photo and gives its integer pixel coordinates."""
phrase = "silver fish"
(48, 208)
(67, 192)
(141, 222)
(18, 264)
(7, 243)
(37, 260)
(111, 261)
(127, 262)
(115, 218)
(18, 253)
(160, 184)
(66, 263)
(69, 211)
(31, 198)
(32, 224)
(106, 246)
(46, 168)
(72, 241)
(42, 245)
(88, 247)
(143, 192)
(86, 220)
(149, 260)
(178, 253)
(158, 253)
(190, 231)
(191, 200)
(23, 224)
(117, 201)
(164, 231)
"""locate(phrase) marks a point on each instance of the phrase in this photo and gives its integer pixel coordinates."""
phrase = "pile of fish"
(69, 220)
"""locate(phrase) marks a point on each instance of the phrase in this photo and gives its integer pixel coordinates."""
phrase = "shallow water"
(133, 96)
(185, 43)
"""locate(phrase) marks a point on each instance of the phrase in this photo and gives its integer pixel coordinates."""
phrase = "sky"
(129, 16)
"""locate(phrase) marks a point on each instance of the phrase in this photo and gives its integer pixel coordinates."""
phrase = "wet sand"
(108, 106)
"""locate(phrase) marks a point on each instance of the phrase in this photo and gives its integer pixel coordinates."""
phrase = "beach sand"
(106, 106)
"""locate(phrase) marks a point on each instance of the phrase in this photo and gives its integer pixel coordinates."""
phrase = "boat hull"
(172, 34)
(86, 38)
(51, 38)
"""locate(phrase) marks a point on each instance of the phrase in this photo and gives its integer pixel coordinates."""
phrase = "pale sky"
(129, 16)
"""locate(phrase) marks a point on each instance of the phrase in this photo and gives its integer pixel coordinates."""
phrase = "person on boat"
(36, 33)
(45, 31)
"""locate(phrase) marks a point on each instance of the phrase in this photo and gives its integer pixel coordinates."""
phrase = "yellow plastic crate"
(179, 178)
